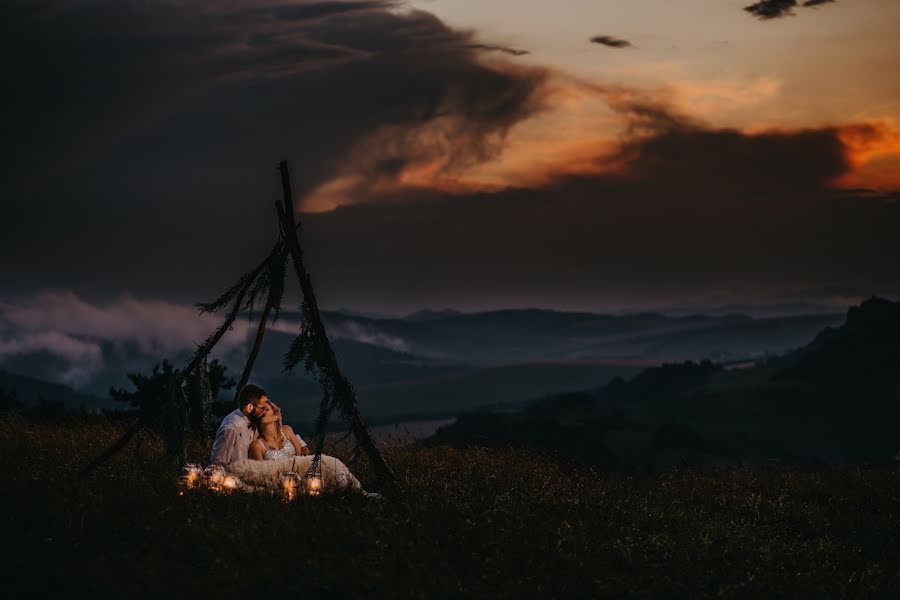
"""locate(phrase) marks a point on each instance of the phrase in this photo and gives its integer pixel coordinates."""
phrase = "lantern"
(190, 478)
(290, 485)
(313, 484)
(214, 475)
(192, 473)
(230, 483)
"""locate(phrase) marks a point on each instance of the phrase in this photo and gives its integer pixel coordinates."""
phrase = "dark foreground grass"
(472, 523)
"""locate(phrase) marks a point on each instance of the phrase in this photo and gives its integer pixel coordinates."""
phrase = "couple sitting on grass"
(253, 444)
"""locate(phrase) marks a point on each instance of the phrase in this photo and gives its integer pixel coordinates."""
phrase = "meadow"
(462, 523)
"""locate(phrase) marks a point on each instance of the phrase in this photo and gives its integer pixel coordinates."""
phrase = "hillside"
(31, 392)
(831, 401)
(865, 349)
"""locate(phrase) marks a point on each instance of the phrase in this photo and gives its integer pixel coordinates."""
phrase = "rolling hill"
(833, 400)
(440, 363)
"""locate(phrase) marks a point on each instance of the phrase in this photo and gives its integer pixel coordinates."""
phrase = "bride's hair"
(256, 422)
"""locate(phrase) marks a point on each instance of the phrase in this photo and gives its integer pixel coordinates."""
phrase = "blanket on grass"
(336, 477)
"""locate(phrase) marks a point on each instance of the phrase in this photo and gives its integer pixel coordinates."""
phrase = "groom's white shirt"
(233, 438)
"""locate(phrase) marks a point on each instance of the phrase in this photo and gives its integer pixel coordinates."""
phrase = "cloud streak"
(80, 336)
(775, 9)
(154, 327)
(610, 41)
(81, 359)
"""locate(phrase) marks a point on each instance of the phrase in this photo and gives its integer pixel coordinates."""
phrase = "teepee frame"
(311, 347)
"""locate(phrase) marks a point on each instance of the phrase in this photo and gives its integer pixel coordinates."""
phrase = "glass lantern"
(214, 477)
(230, 483)
(291, 485)
(313, 484)
(191, 475)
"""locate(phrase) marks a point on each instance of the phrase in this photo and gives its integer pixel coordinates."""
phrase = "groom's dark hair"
(250, 394)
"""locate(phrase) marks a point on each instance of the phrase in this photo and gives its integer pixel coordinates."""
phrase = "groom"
(236, 433)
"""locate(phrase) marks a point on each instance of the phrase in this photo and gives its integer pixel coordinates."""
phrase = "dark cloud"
(140, 147)
(773, 9)
(139, 139)
(503, 49)
(692, 211)
(87, 76)
(612, 42)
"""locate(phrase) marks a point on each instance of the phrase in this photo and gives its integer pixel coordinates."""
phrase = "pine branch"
(229, 294)
(275, 273)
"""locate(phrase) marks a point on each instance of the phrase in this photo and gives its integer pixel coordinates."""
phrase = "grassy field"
(467, 523)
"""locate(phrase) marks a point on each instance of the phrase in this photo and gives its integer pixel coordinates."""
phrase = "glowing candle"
(215, 476)
(290, 483)
(230, 483)
(313, 485)
(191, 474)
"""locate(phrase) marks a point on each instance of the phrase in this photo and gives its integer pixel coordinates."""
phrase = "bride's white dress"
(286, 450)
(335, 474)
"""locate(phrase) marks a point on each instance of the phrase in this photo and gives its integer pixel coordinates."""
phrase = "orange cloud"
(873, 151)
(575, 128)
(585, 128)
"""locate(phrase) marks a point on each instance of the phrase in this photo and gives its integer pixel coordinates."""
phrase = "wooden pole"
(257, 343)
(344, 392)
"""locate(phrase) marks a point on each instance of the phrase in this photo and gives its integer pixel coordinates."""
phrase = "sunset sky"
(605, 155)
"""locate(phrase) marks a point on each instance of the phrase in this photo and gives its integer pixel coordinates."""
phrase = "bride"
(278, 450)
(275, 439)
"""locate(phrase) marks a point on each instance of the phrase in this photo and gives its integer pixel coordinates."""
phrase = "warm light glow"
(290, 484)
(192, 474)
(313, 485)
(214, 476)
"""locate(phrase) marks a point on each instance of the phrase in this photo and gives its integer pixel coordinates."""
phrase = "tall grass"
(468, 523)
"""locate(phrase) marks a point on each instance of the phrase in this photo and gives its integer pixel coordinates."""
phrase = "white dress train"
(335, 474)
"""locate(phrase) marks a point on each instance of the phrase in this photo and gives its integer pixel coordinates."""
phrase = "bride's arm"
(256, 452)
(299, 447)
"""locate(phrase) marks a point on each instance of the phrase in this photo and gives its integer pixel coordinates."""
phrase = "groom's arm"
(223, 448)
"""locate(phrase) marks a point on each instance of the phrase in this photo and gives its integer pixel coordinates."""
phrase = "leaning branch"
(202, 352)
(345, 397)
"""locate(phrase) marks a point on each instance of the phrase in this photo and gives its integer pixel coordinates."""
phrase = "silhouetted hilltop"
(866, 347)
(19, 391)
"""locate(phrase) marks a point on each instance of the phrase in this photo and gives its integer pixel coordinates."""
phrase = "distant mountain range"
(835, 399)
(528, 335)
(439, 363)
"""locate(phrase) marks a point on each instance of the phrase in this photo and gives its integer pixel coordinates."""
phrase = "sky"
(603, 155)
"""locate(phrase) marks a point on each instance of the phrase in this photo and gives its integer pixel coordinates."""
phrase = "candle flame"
(314, 486)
